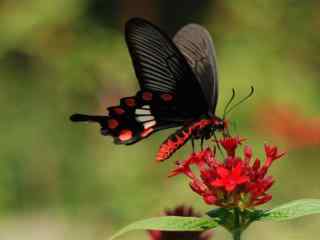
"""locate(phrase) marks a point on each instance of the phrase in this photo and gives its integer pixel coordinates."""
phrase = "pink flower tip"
(272, 152)
(209, 199)
(247, 152)
(230, 144)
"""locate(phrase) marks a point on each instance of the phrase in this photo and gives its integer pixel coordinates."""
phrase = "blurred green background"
(59, 180)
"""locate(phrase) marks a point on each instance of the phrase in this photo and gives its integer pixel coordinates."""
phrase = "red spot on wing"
(166, 97)
(118, 110)
(130, 102)
(147, 96)
(125, 135)
(146, 132)
(112, 123)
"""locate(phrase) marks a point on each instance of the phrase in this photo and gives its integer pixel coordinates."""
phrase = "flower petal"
(223, 172)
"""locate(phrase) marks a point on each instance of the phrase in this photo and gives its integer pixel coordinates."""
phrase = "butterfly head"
(220, 125)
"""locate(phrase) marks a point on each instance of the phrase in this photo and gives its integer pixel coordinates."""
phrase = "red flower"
(290, 124)
(230, 145)
(236, 182)
(172, 235)
(230, 179)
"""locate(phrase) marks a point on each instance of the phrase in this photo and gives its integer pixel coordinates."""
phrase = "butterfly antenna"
(228, 104)
(241, 101)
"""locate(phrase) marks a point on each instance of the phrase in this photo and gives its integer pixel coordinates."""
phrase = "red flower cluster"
(290, 124)
(183, 211)
(236, 182)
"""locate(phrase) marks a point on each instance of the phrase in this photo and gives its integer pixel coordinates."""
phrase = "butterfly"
(178, 88)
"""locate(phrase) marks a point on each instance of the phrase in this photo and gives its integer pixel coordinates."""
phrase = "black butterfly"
(179, 87)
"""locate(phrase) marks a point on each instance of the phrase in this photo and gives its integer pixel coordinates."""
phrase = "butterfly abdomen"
(180, 137)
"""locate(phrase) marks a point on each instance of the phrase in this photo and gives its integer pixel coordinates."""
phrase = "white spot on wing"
(146, 106)
(144, 118)
(142, 111)
(149, 124)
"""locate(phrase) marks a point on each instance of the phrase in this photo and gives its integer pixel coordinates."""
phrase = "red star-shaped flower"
(234, 182)
(230, 179)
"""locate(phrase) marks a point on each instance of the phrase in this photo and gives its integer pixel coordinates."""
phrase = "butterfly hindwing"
(137, 117)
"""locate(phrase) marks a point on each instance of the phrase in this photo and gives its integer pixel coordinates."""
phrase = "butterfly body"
(178, 88)
(202, 128)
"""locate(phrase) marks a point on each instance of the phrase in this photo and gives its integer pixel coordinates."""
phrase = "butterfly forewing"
(161, 67)
(196, 45)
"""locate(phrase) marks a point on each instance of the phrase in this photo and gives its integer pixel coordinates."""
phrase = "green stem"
(237, 228)
(236, 235)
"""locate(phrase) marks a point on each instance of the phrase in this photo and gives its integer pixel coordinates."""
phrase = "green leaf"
(169, 223)
(292, 210)
(252, 215)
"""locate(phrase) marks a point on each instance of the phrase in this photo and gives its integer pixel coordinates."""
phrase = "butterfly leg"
(201, 143)
(192, 143)
(218, 145)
